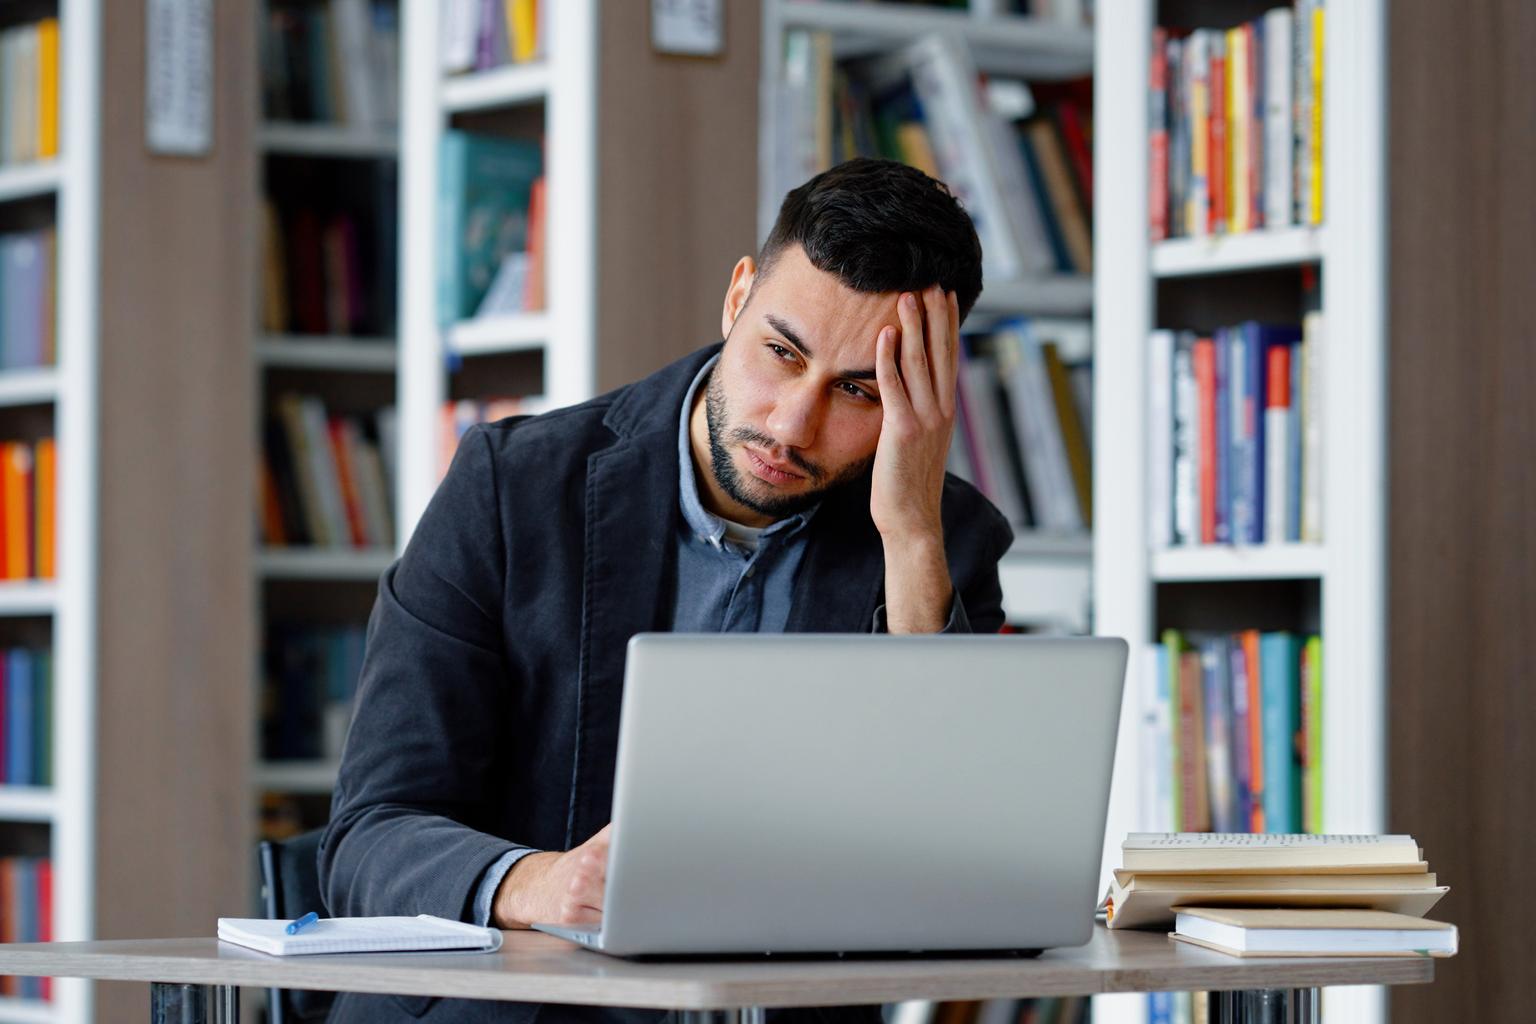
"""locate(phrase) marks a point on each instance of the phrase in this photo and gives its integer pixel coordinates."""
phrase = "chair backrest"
(290, 888)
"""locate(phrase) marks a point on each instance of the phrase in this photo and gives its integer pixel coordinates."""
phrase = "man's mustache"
(747, 435)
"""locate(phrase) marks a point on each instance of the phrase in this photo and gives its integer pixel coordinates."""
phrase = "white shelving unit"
(68, 807)
(564, 84)
(1349, 565)
(1046, 580)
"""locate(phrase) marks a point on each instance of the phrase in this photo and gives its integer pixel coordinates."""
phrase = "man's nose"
(796, 416)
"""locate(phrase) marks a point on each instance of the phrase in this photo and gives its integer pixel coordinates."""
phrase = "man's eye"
(854, 391)
(782, 352)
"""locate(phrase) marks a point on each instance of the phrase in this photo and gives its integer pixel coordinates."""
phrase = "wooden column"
(1462, 546)
(175, 725)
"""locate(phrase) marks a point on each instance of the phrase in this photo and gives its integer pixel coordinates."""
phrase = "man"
(790, 481)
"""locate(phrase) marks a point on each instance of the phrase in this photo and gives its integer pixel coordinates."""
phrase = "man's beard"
(750, 495)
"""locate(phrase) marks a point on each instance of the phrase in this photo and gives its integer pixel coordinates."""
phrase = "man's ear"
(736, 295)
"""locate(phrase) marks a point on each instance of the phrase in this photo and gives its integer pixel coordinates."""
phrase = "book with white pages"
(1311, 933)
(1209, 851)
(1147, 901)
(423, 933)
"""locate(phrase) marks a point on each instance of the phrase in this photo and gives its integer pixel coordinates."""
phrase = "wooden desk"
(532, 967)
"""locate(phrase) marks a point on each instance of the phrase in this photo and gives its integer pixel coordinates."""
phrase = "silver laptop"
(829, 794)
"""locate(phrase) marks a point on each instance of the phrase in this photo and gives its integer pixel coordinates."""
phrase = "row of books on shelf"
(28, 510)
(479, 35)
(328, 480)
(493, 212)
(29, 92)
(26, 915)
(458, 416)
(1016, 154)
(1231, 732)
(310, 681)
(1065, 12)
(330, 243)
(28, 294)
(1023, 406)
(333, 62)
(1048, 1010)
(1237, 125)
(26, 717)
(1235, 439)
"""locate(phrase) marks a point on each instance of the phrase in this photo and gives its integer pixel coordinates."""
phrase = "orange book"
(533, 291)
(46, 504)
(346, 475)
(8, 894)
(48, 88)
(1250, 641)
(271, 508)
(16, 485)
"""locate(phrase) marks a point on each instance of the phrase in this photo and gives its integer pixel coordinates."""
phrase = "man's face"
(792, 409)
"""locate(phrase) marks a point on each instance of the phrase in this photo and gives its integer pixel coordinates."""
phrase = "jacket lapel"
(631, 525)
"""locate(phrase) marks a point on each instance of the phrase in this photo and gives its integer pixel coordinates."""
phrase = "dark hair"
(880, 226)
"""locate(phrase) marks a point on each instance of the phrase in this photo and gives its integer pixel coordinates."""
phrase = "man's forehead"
(821, 310)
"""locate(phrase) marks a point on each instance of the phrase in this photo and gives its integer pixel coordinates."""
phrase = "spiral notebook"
(359, 935)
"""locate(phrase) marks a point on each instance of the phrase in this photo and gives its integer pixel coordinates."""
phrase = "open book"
(359, 935)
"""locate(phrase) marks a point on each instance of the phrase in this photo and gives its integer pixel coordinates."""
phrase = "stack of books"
(1277, 894)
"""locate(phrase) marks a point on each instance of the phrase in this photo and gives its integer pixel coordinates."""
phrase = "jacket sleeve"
(420, 758)
(981, 539)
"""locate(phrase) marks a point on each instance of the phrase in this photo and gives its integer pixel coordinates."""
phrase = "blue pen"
(309, 918)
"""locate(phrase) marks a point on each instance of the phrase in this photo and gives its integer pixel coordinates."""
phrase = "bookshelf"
(59, 821)
(308, 152)
(1336, 586)
(554, 98)
(1046, 577)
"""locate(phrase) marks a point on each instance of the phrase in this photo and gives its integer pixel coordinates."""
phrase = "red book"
(1157, 195)
(45, 913)
(1194, 802)
(1070, 123)
(9, 984)
(1205, 456)
(1217, 163)
(1278, 390)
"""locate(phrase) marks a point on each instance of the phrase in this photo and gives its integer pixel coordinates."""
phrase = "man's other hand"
(555, 888)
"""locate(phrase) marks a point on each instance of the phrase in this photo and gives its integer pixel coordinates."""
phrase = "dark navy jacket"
(488, 710)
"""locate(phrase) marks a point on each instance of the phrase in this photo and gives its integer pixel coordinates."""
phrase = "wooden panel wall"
(677, 191)
(174, 841)
(1462, 545)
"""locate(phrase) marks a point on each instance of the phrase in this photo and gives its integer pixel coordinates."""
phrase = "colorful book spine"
(1312, 729)
(1281, 711)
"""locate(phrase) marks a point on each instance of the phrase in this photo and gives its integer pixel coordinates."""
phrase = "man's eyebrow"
(779, 324)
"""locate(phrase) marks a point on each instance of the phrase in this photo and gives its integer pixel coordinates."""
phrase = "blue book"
(1253, 411)
(484, 185)
(1239, 436)
(1280, 686)
(22, 279)
(1160, 1008)
(1223, 447)
(42, 708)
(1043, 204)
(1218, 733)
(19, 721)
(1264, 337)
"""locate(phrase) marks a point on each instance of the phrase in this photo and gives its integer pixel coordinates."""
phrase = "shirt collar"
(701, 522)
